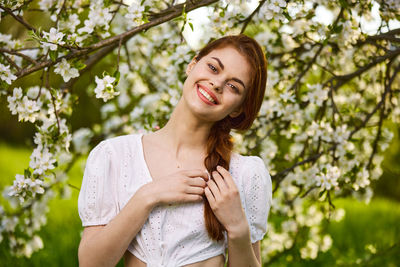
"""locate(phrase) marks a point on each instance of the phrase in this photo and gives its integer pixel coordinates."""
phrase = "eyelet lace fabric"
(173, 235)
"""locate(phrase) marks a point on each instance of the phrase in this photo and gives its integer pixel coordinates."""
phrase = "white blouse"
(173, 235)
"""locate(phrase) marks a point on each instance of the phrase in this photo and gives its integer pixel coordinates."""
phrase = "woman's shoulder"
(122, 140)
(246, 161)
(118, 144)
(246, 167)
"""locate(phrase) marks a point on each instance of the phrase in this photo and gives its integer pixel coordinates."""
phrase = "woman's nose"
(215, 86)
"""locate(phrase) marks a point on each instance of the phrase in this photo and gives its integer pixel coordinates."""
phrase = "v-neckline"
(146, 167)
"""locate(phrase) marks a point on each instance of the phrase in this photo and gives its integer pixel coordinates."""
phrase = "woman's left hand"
(224, 199)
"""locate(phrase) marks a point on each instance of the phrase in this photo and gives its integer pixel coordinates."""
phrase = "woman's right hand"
(179, 187)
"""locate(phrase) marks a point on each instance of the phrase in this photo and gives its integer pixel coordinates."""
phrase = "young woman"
(180, 196)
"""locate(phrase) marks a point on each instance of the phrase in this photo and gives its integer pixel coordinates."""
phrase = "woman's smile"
(206, 95)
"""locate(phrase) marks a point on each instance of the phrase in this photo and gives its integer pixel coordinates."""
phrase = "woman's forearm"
(106, 246)
(240, 249)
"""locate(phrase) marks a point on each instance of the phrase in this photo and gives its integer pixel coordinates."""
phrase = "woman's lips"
(202, 97)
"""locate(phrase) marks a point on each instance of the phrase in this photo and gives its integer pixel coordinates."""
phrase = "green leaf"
(105, 73)
(27, 173)
(116, 75)
(79, 65)
(107, 3)
(344, 3)
(191, 25)
(53, 55)
(183, 11)
(33, 35)
(286, 14)
(338, 28)
(150, 120)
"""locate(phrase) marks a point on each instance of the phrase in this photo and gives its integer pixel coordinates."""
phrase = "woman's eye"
(233, 87)
(212, 67)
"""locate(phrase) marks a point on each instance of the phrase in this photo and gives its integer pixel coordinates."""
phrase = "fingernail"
(208, 174)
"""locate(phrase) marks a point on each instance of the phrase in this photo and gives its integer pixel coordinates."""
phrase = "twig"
(128, 59)
(116, 10)
(250, 17)
(73, 186)
(342, 79)
(12, 52)
(119, 52)
(52, 100)
(278, 178)
(109, 44)
(11, 62)
(321, 46)
(21, 6)
(18, 18)
(382, 111)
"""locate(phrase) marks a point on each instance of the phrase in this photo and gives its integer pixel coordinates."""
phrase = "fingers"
(194, 190)
(193, 198)
(196, 181)
(212, 186)
(227, 177)
(210, 197)
(196, 173)
(219, 181)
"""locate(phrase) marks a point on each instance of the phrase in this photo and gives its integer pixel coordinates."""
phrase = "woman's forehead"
(232, 61)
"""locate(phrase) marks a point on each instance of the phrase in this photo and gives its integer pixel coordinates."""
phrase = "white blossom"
(362, 179)
(310, 251)
(89, 26)
(46, 4)
(105, 88)
(326, 243)
(23, 185)
(81, 139)
(69, 24)
(41, 160)
(287, 97)
(272, 9)
(8, 42)
(98, 17)
(65, 70)
(135, 13)
(316, 94)
(53, 37)
(26, 109)
(6, 75)
(329, 179)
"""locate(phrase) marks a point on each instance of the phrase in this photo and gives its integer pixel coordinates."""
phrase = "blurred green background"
(369, 235)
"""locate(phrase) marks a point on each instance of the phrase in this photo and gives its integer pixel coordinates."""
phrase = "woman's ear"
(235, 113)
(191, 65)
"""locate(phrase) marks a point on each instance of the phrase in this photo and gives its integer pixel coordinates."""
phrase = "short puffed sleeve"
(258, 196)
(97, 202)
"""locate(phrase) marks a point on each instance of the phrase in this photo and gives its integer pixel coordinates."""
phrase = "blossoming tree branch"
(321, 131)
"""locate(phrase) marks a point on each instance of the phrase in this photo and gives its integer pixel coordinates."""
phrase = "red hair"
(220, 144)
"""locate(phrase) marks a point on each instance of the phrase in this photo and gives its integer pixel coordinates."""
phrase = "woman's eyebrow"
(222, 67)
(219, 62)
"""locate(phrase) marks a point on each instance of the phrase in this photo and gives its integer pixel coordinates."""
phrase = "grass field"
(365, 228)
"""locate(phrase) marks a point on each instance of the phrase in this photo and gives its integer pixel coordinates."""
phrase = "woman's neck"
(184, 132)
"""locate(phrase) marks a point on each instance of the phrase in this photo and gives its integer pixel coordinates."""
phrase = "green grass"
(376, 224)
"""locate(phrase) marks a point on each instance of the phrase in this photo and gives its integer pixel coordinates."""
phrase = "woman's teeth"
(206, 95)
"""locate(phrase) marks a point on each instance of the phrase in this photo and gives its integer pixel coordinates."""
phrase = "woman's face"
(217, 84)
